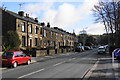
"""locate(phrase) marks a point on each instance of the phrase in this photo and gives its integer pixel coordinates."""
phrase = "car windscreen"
(101, 48)
(7, 54)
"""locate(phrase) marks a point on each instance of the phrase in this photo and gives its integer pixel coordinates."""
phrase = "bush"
(11, 41)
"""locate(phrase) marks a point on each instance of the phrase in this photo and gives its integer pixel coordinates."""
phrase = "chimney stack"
(27, 15)
(42, 24)
(48, 24)
(36, 19)
(21, 13)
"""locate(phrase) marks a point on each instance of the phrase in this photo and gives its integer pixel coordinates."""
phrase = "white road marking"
(116, 66)
(113, 57)
(49, 56)
(89, 71)
(31, 73)
(59, 63)
(63, 62)
(71, 59)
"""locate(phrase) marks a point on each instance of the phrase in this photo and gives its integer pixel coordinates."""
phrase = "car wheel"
(28, 62)
(14, 65)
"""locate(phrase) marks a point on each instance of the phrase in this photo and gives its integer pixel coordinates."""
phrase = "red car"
(13, 58)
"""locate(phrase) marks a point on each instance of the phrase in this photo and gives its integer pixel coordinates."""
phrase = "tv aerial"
(20, 5)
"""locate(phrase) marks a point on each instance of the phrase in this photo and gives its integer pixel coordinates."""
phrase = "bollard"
(112, 57)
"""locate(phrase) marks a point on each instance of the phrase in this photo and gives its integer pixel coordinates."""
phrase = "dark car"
(87, 48)
(13, 58)
(78, 49)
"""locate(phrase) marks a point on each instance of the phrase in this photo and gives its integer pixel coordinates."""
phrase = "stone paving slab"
(104, 69)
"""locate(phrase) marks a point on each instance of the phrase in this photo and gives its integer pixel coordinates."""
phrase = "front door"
(30, 42)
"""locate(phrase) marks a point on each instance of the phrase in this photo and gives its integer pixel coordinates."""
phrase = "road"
(70, 65)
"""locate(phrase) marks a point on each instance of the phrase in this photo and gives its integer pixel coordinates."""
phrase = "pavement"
(104, 69)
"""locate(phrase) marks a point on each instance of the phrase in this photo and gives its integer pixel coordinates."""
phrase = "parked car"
(13, 58)
(118, 55)
(82, 48)
(116, 52)
(79, 49)
(87, 48)
(101, 49)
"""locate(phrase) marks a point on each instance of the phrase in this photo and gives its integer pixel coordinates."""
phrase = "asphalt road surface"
(70, 65)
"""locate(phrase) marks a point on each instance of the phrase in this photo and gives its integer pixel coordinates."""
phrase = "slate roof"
(57, 30)
(21, 17)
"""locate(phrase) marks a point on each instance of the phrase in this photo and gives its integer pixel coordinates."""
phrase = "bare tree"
(108, 13)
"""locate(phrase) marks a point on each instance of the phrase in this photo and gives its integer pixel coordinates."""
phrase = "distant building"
(83, 32)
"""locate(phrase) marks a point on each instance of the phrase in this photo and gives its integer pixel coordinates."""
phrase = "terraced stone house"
(34, 34)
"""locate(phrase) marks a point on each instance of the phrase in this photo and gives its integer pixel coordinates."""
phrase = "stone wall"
(41, 53)
(51, 52)
(1, 53)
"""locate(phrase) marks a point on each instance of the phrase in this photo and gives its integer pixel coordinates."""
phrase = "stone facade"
(34, 34)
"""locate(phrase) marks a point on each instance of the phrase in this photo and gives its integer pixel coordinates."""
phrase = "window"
(36, 41)
(23, 41)
(23, 26)
(22, 55)
(30, 42)
(61, 36)
(7, 54)
(56, 44)
(56, 36)
(64, 42)
(45, 44)
(44, 33)
(19, 55)
(30, 28)
(36, 29)
(51, 34)
(40, 30)
(49, 42)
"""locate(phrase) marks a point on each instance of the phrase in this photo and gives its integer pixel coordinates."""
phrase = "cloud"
(97, 28)
(87, 6)
(34, 9)
(66, 15)
(94, 29)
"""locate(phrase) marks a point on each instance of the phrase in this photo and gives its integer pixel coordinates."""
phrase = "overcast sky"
(68, 15)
